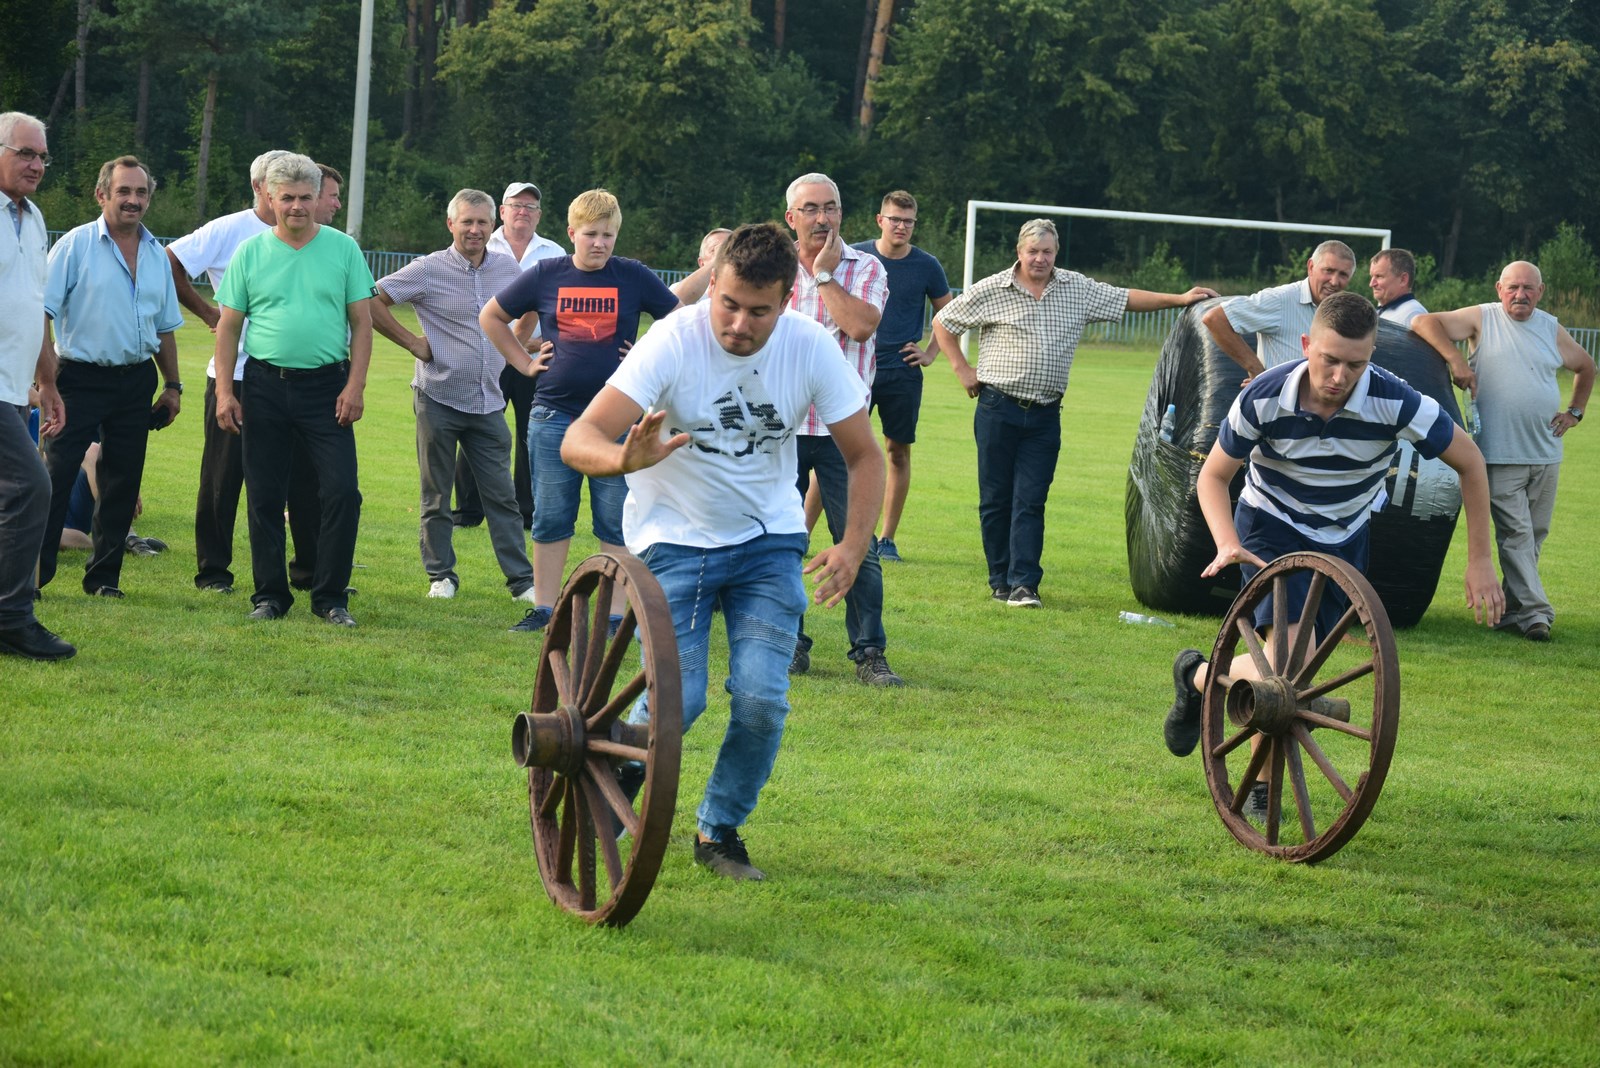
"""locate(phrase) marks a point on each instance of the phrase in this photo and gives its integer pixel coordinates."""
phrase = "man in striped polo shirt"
(1319, 433)
(458, 398)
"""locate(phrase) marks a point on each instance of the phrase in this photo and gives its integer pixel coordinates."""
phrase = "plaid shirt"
(862, 276)
(1026, 345)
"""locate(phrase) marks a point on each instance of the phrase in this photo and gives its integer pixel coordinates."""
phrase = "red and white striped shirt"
(863, 277)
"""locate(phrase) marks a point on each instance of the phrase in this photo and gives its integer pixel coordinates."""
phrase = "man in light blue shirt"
(109, 290)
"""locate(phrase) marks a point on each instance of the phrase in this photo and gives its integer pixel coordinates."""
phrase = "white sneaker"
(445, 587)
(525, 596)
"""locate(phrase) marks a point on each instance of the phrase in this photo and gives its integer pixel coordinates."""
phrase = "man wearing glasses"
(26, 358)
(845, 291)
(914, 277)
(518, 238)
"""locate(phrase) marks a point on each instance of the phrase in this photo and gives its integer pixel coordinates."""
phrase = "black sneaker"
(1255, 809)
(800, 662)
(1024, 597)
(139, 546)
(1182, 729)
(727, 858)
(266, 610)
(107, 591)
(630, 777)
(339, 617)
(1001, 593)
(887, 550)
(33, 641)
(537, 619)
(873, 669)
(217, 587)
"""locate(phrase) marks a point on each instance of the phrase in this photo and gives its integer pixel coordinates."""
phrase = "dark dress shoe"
(34, 642)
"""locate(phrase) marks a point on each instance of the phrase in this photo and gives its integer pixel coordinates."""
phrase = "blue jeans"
(1017, 451)
(556, 486)
(763, 596)
(863, 605)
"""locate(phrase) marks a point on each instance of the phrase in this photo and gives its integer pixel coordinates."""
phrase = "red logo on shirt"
(586, 314)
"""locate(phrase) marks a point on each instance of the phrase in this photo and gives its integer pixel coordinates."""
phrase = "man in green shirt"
(304, 288)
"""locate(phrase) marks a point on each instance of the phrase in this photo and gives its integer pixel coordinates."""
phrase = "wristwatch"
(1576, 413)
(177, 387)
(824, 277)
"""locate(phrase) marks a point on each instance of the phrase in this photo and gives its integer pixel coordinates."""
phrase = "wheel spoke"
(1335, 725)
(1275, 794)
(1344, 678)
(600, 617)
(1251, 770)
(602, 746)
(1302, 796)
(585, 828)
(600, 817)
(578, 639)
(1280, 624)
(552, 799)
(1307, 624)
(605, 778)
(1224, 748)
(568, 839)
(1252, 642)
(561, 674)
(622, 699)
(605, 675)
(1325, 648)
(1320, 758)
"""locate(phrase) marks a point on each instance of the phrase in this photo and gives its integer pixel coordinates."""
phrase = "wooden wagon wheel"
(575, 740)
(1346, 690)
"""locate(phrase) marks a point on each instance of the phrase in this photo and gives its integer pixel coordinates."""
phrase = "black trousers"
(115, 403)
(283, 409)
(217, 508)
(518, 389)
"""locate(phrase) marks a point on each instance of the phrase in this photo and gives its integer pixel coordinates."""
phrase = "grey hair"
(12, 119)
(1036, 228)
(704, 241)
(1538, 275)
(291, 168)
(475, 197)
(1335, 248)
(814, 178)
(258, 168)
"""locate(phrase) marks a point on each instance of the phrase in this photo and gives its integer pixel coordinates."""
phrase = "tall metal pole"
(356, 194)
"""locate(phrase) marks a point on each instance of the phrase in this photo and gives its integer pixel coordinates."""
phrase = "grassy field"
(226, 842)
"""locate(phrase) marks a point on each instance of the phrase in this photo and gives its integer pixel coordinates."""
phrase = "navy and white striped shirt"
(1325, 478)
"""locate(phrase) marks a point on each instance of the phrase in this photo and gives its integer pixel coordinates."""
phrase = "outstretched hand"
(1231, 554)
(643, 446)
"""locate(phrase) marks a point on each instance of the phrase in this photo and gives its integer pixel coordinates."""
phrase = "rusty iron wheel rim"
(1347, 781)
(578, 718)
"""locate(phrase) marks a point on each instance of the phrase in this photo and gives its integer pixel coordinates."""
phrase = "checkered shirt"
(1026, 345)
(862, 276)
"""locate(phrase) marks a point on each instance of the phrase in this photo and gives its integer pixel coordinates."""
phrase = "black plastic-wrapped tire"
(1168, 543)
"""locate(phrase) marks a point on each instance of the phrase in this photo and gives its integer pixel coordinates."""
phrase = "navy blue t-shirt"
(913, 278)
(588, 314)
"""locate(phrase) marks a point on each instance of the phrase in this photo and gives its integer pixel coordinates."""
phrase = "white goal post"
(973, 207)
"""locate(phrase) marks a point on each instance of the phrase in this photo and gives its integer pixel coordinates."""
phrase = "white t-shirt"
(208, 250)
(735, 480)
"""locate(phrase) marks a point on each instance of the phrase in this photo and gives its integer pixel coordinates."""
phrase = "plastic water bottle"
(1169, 422)
(1469, 417)
(1139, 617)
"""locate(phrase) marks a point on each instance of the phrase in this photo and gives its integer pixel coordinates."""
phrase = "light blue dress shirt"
(102, 314)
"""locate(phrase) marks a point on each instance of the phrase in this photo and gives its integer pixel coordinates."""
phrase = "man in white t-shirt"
(1280, 315)
(721, 522)
(208, 251)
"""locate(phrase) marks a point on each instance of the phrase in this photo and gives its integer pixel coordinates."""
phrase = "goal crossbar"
(973, 207)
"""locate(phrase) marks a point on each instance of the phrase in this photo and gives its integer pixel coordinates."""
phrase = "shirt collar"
(1289, 395)
(1057, 274)
(1396, 302)
(454, 255)
(21, 207)
(1305, 290)
(102, 230)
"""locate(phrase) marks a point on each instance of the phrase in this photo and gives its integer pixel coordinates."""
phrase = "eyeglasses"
(521, 209)
(28, 155)
(896, 220)
(811, 211)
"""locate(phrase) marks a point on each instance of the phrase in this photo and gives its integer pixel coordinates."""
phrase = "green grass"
(225, 842)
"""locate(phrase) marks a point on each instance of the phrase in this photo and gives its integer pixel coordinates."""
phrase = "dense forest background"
(1468, 126)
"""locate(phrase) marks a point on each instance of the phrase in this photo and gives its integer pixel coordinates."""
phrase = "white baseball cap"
(520, 187)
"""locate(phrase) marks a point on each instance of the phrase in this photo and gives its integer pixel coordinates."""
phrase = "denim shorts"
(556, 487)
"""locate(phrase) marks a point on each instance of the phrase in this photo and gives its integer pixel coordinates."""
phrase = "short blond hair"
(593, 205)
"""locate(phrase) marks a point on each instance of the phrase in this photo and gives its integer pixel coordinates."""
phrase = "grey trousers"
(485, 442)
(24, 511)
(1522, 498)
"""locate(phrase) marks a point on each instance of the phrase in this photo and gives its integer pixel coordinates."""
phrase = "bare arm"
(691, 288)
(496, 326)
(167, 361)
(1216, 474)
(52, 413)
(856, 317)
(916, 355)
(837, 565)
(1142, 300)
(189, 296)
(384, 322)
(1581, 364)
(1484, 595)
(950, 345)
(1442, 330)
(1229, 341)
(348, 406)
(229, 327)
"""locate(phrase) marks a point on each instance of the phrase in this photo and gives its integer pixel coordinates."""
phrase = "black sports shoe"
(1023, 597)
(1182, 729)
(537, 619)
(1001, 593)
(338, 616)
(106, 591)
(800, 662)
(874, 670)
(728, 857)
(1255, 809)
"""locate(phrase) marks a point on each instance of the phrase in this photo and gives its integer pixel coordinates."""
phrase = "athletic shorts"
(1270, 537)
(898, 398)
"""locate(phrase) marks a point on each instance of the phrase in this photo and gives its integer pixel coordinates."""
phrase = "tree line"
(1462, 124)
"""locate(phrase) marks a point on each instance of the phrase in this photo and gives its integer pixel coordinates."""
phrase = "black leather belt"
(1022, 403)
(108, 368)
(295, 372)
